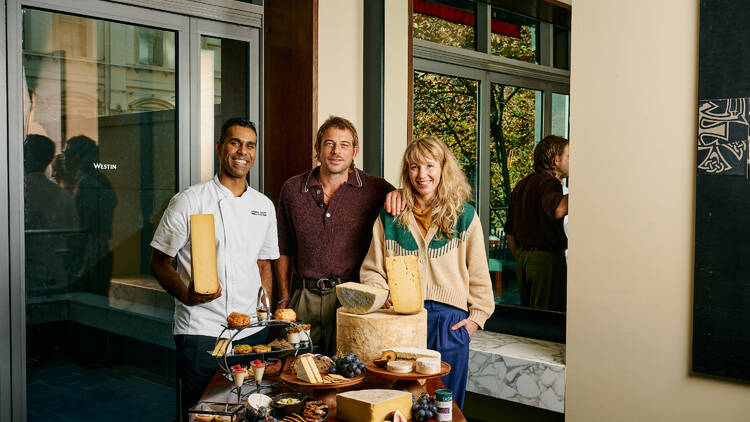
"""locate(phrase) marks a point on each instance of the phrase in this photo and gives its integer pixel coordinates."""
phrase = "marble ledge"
(518, 369)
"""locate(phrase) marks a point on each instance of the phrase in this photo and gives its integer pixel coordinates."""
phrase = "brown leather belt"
(322, 284)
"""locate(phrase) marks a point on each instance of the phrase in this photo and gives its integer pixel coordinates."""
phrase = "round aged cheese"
(399, 366)
(428, 366)
(368, 335)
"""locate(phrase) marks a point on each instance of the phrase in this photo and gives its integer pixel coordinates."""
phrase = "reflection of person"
(245, 230)
(96, 201)
(50, 217)
(325, 220)
(444, 231)
(534, 227)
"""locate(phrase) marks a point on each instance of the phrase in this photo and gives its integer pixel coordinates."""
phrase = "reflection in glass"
(446, 107)
(100, 145)
(224, 92)
(445, 22)
(514, 36)
(515, 119)
(560, 114)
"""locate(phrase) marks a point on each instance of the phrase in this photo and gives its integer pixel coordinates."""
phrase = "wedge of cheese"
(203, 250)
(372, 405)
(404, 283)
(307, 371)
(358, 298)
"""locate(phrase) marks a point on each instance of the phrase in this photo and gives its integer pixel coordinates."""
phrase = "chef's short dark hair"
(237, 121)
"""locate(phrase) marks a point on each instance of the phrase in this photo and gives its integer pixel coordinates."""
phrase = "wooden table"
(219, 390)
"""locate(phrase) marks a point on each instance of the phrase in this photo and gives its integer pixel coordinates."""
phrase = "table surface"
(219, 390)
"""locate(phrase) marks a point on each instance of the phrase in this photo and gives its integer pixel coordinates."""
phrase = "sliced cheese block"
(307, 371)
(413, 353)
(399, 366)
(427, 366)
(368, 335)
(372, 405)
(404, 283)
(203, 250)
(360, 298)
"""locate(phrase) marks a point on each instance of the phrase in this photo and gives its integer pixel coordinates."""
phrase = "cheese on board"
(307, 371)
(399, 366)
(360, 298)
(203, 250)
(372, 405)
(427, 366)
(404, 283)
(413, 353)
(368, 335)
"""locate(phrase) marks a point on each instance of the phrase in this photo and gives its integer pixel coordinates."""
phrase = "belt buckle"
(322, 289)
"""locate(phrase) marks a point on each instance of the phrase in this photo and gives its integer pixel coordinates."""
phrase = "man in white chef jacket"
(246, 242)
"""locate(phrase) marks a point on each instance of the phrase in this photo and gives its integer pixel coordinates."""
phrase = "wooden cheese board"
(445, 369)
(292, 379)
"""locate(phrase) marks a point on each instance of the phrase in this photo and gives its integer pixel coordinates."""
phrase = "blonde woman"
(443, 230)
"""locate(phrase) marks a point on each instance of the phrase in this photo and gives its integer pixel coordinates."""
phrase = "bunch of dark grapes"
(258, 415)
(423, 408)
(347, 365)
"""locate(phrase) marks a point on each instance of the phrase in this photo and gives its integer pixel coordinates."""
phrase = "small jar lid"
(443, 395)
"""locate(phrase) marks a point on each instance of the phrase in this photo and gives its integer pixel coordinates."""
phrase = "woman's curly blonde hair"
(453, 189)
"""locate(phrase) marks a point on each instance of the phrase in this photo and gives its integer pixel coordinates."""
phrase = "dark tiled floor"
(64, 391)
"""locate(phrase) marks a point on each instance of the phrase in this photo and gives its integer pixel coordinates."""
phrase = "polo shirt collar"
(225, 190)
(355, 179)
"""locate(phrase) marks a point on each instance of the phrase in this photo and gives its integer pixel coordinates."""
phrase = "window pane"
(224, 92)
(448, 22)
(99, 169)
(515, 119)
(561, 47)
(560, 114)
(446, 107)
(514, 36)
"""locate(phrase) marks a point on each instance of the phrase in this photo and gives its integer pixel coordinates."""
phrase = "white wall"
(633, 158)
(340, 52)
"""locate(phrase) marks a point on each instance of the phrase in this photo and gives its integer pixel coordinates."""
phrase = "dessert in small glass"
(293, 334)
(258, 368)
(306, 336)
(238, 374)
(262, 313)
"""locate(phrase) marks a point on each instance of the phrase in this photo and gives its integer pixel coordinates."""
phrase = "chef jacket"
(245, 230)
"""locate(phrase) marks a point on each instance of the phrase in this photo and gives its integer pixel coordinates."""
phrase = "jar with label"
(444, 403)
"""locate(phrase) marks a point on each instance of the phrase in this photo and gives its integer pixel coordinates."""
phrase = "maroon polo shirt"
(329, 241)
(531, 214)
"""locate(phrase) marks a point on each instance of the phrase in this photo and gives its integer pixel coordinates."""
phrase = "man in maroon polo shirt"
(325, 219)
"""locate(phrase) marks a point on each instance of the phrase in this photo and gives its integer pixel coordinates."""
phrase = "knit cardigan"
(453, 271)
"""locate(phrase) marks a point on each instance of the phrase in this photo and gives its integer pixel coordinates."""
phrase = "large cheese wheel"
(368, 335)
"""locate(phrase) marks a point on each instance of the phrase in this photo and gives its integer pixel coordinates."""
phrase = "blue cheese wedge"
(359, 298)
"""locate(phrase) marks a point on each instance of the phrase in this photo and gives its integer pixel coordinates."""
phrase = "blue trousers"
(452, 345)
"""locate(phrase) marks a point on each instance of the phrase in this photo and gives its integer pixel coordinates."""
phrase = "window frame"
(486, 69)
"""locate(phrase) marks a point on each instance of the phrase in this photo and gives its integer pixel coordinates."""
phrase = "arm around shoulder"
(373, 271)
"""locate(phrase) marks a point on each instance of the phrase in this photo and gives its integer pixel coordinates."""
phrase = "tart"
(261, 348)
(242, 349)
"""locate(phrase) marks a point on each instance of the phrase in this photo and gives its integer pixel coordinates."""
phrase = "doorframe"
(200, 27)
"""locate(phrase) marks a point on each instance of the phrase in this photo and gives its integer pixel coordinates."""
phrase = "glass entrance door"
(100, 162)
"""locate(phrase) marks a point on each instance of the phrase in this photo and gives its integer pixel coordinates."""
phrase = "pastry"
(280, 344)
(261, 348)
(203, 417)
(238, 320)
(242, 349)
(285, 314)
